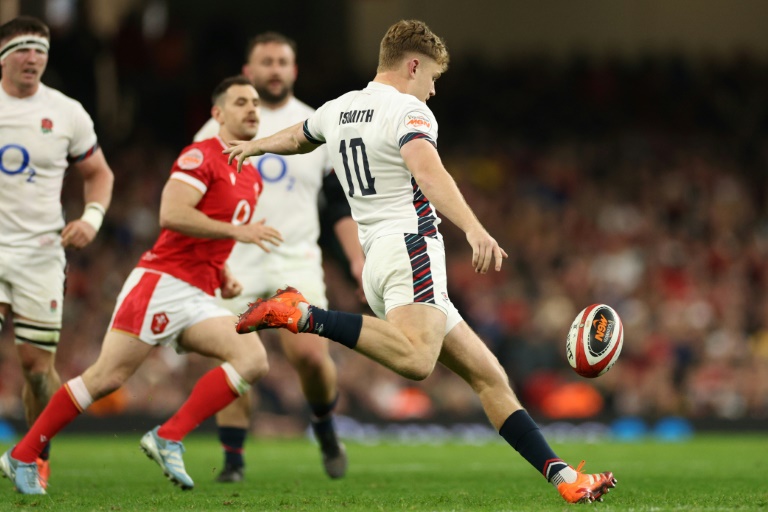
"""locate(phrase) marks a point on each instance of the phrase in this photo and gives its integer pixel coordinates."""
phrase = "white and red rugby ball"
(594, 341)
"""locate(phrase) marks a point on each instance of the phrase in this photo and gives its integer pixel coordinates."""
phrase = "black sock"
(522, 434)
(232, 440)
(341, 327)
(46, 452)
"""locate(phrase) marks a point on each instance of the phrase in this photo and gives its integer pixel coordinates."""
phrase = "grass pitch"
(109, 473)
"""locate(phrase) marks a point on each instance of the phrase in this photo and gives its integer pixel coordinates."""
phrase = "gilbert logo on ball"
(594, 341)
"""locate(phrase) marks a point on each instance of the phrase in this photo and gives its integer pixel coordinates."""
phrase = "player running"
(42, 133)
(168, 299)
(296, 181)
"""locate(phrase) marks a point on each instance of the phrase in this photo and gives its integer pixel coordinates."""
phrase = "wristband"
(93, 215)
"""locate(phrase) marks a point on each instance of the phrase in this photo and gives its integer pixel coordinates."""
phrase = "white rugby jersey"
(363, 132)
(39, 137)
(291, 188)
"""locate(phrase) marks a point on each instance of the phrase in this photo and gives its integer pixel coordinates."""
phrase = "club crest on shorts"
(159, 323)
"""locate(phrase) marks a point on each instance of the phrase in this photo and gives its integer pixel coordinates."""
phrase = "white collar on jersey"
(22, 42)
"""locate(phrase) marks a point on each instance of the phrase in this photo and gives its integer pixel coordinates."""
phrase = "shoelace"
(581, 465)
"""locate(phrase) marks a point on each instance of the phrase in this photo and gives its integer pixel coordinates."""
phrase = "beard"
(270, 97)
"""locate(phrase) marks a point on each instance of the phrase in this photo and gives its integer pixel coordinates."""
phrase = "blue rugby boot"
(23, 475)
(168, 455)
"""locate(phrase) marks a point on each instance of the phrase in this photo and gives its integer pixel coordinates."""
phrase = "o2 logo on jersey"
(14, 159)
(242, 213)
(274, 168)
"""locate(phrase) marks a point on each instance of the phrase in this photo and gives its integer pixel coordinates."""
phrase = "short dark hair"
(24, 25)
(269, 37)
(225, 84)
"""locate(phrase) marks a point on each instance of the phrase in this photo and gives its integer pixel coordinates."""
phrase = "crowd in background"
(640, 184)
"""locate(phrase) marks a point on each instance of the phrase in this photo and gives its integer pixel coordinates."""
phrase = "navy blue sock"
(341, 327)
(232, 440)
(325, 433)
(522, 434)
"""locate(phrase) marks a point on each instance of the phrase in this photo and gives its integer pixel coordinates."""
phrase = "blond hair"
(410, 36)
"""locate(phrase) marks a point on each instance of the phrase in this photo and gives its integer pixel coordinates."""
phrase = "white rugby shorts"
(157, 307)
(407, 269)
(304, 272)
(32, 282)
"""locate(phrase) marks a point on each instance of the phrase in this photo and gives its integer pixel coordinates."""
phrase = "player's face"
(24, 68)
(271, 68)
(426, 74)
(239, 113)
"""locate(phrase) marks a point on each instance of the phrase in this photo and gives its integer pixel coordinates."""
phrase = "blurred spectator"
(641, 184)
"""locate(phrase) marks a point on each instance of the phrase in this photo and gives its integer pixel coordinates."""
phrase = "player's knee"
(39, 382)
(419, 368)
(253, 367)
(36, 346)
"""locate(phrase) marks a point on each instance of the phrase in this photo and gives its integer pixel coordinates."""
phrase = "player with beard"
(296, 181)
(169, 299)
(42, 133)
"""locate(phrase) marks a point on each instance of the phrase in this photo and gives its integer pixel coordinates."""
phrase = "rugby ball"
(594, 341)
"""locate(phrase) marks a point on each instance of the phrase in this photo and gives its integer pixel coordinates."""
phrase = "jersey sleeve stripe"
(79, 158)
(309, 136)
(408, 137)
(190, 180)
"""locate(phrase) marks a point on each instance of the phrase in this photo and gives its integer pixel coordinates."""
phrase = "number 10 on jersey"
(357, 146)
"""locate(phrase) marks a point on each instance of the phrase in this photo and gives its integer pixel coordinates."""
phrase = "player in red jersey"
(169, 298)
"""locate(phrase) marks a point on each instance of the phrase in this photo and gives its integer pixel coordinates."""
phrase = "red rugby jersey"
(227, 196)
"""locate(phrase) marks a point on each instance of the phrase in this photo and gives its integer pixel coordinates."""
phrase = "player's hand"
(485, 250)
(240, 150)
(230, 287)
(77, 234)
(258, 233)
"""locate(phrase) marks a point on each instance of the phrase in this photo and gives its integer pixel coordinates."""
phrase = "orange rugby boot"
(586, 488)
(43, 471)
(284, 309)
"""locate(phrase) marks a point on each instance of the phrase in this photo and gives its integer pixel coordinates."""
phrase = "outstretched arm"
(438, 186)
(290, 141)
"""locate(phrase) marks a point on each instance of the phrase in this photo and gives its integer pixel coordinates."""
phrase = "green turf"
(109, 473)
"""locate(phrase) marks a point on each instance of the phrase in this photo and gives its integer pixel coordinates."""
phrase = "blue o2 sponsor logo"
(14, 159)
(272, 168)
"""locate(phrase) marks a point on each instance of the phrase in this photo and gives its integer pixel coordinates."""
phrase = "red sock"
(59, 413)
(211, 394)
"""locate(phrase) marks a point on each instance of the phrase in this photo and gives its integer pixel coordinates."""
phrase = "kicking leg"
(465, 354)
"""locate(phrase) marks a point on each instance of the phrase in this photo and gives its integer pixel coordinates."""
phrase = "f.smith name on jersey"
(356, 116)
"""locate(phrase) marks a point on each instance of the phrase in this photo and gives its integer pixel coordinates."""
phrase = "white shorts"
(273, 272)
(157, 307)
(407, 269)
(32, 282)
